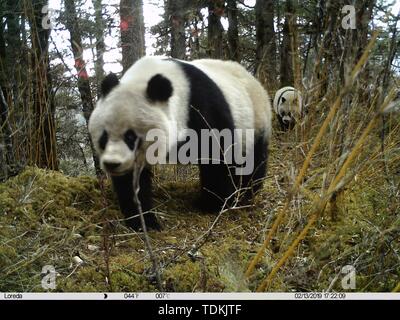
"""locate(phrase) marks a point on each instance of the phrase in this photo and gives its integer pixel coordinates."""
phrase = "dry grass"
(48, 218)
(331, 199)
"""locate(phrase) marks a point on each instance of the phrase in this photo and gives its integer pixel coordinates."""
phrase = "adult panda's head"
(124, 114)
(288, 106)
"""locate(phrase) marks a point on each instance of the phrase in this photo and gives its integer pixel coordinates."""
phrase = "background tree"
(233, 30)
(215, 29)
(286, 49)
(100, 27)
(132, 32)
(72, 24)
(266, 62)
(43, 138)
(6, 149)
(175, 13)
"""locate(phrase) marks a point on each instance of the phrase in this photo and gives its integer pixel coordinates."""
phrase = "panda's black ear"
(109, 82)
(159, 88)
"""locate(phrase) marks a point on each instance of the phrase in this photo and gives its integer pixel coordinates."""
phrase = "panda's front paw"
(133, 223)
(149, 219)
(152, 222)
(208, 203)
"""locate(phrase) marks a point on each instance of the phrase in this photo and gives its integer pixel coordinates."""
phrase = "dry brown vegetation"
(49, 219)
(331, 197)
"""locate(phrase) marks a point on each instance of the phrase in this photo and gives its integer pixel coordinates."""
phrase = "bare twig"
(138, 167)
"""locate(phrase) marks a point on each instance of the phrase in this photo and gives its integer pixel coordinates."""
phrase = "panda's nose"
(110, 166)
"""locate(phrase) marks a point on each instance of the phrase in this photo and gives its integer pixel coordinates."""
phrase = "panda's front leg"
(123, 186)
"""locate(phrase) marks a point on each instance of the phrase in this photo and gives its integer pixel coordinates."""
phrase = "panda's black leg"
(146, 199)
(216, 187)
(123, 186)
(254, 181)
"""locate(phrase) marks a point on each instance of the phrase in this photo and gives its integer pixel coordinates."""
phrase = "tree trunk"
(364, 10)
(265, 66)
(8, 166)
(132, 32)
(100, 46)
(215, 29)
(43, 144)
(287, 54)
(80, 66)
(233, 31)
(13, 50)
(175, 12)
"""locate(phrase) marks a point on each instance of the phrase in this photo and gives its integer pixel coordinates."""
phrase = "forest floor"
(48, 218)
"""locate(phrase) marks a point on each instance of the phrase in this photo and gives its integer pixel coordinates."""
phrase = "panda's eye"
(103, 140)
(130, 139)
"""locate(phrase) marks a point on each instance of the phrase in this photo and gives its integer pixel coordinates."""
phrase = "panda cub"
(174, 96)
(288, 107)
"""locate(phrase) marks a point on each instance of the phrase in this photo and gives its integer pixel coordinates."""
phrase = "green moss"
(127, 281)
(183, 277)
(47, 218)
(86, 279)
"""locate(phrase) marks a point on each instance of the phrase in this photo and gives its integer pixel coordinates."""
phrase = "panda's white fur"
(127, 106)
(129, 99)
(248, 101)
(288, 104)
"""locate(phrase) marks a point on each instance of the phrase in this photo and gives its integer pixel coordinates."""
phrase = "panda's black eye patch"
(130, 138)
(103, 140)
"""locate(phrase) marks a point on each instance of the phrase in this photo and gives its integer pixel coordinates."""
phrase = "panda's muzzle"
(287, 119)
(111, 166)
(114, 168)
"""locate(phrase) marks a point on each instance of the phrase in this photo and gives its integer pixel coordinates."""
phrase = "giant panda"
(287, 106)
(173, 96)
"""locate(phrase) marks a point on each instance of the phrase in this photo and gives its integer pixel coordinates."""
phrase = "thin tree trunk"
(215, 29)
(175, 12)
(265, 65)
(44, 153)
(5, 130)
(132, 32)
(233, 30)
(364, 10)
(287, 75)
(100, 46)
(80, 66)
